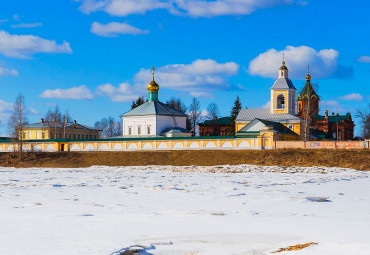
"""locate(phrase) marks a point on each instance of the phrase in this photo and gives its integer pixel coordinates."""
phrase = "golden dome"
(153, 86)
(283, 67)
(308, 77)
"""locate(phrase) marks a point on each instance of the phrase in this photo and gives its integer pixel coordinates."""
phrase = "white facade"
(150, 125)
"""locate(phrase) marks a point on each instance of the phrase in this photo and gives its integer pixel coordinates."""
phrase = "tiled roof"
(280, 128)
(251, 114)
(220, 121)
(307, 90)
(283, 83)
(153, 108)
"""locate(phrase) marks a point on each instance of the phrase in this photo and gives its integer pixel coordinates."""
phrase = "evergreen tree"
(177, 104)
(138, 102)
(234, 113)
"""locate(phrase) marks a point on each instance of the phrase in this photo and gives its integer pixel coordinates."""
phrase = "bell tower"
(283, 93)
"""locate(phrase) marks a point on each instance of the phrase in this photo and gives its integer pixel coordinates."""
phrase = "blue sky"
(93, 57)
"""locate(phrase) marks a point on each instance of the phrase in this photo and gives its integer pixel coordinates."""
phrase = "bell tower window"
(280, 102)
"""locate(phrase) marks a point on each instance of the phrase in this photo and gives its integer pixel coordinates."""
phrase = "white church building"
(154, 118)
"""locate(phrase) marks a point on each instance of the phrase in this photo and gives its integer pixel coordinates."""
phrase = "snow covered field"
(184, 210)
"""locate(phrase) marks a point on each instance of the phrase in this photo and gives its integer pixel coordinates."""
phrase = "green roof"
(320, 134)
(306, 91)
(220, 121)
(331, 118)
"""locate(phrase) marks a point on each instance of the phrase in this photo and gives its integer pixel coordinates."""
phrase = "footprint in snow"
(58, 185)
(318, 199)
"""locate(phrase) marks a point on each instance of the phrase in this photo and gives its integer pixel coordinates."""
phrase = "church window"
(282, 73)
(129, 131)
(74, 136)
(139, 130)
(148, 130)
(24, 135)
(78, 136)
(83, 136)
(280, 104)
(43, 134)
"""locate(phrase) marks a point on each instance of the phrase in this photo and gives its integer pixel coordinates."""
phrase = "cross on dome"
(308, 76)
(153, 69)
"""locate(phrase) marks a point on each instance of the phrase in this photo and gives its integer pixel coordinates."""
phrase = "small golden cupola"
(283, 70)
(153, 88)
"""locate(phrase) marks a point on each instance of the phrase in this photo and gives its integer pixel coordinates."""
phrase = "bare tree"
(213, 111)
(194, 114)
(109, 126)
(178, 105)
(53, 119)
(364, 116)
(17, 122)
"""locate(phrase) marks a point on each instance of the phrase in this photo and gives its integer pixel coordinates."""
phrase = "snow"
(184, 210)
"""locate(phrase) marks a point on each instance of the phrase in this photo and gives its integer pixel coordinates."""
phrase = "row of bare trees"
(109, 126)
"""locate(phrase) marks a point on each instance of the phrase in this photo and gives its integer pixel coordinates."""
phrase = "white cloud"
(16, 17)
(196, 8)
(123, 93)
(81, 92)
(201, 94)
(204, 113)
(364, 59)
(6, 110)
(352, 97)
(5, 71)
(323, 63)
(199, 77)
(113, 29)
(21, 46)
(192, 8)
(332, 106)
(124, 8)
(33, 111)
(266, 105)
(26, 25)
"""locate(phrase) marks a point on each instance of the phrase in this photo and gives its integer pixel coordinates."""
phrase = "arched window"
(280, 102)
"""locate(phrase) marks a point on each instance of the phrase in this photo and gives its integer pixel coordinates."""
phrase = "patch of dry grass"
(296, 247)
(356, 159)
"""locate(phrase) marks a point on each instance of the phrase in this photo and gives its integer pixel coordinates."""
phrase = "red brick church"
(334, 126)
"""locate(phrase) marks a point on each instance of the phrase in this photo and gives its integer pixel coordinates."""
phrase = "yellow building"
(282, 109)
(52, 130)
